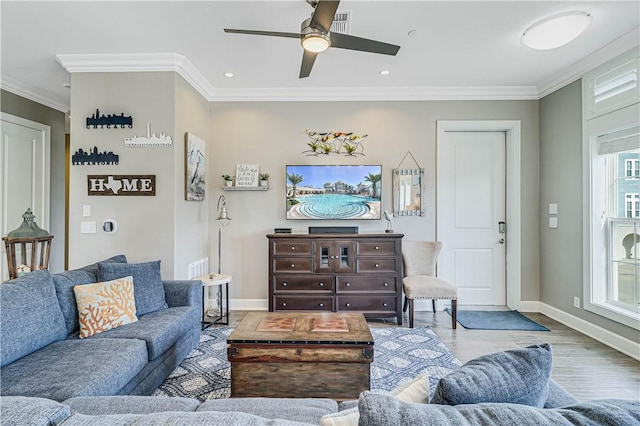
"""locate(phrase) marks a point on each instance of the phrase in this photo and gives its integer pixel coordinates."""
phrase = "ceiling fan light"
(315, 42)
(556, 31)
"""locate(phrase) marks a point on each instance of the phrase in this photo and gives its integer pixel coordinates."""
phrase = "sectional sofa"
(49, 376)
(41, 354)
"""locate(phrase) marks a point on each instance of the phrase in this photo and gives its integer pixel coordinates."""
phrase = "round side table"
(218, 280)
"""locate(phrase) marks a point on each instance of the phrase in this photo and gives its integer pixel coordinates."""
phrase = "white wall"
(271, 134)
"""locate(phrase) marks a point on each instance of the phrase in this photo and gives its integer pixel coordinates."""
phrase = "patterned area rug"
(399, 354)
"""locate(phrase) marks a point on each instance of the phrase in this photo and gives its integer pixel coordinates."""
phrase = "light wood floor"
(586, 368)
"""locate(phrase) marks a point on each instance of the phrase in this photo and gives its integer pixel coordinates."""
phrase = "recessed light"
(556, 30)
(412, 33)
(384, 72)
(228, 74)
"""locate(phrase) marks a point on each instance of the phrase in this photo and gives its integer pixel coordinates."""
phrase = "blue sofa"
(42, 356)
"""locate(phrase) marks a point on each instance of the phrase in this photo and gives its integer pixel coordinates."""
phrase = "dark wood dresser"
(336, 273)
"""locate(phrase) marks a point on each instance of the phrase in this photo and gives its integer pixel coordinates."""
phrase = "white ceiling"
(472, 45)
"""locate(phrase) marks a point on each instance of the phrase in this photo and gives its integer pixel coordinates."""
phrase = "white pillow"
(416, 390)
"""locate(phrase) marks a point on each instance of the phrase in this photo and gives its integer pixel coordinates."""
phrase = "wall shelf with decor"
(245, 188)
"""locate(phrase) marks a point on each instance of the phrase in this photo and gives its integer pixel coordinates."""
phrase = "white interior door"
(471, 202)
(24, 175)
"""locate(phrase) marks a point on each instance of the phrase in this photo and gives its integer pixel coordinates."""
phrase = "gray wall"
(561, 257)
(271, 134)
(149, 228)
(191, 217)
(24, 108)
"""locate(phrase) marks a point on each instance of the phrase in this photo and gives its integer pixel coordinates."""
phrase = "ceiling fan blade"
(323, 15)
(307, 63)
(263, 33)
(346, 41)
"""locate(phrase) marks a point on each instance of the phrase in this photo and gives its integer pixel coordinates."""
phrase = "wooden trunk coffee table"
(300, 355)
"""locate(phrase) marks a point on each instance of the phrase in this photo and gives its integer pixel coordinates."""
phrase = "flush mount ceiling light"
(384, 72)
(228, 74)
(556, 30)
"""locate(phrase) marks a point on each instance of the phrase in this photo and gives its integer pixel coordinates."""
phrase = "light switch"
(87, 227)
(86, 210)
(553, 222)
(553, 208)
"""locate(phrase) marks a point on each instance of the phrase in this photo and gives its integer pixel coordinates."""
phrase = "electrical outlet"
(576, 302)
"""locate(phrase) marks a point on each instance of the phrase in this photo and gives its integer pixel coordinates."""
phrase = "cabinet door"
(334, 256)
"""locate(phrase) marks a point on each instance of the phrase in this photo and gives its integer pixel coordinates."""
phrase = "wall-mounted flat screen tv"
(334, 192)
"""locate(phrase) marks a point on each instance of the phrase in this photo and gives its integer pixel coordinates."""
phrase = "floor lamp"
(223, 220)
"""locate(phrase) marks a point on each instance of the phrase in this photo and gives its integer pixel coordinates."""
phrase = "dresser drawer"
(292, 248)
(286, 283)
(302, 303)
(355, 283)
(369, 303)
(376, 248)
(292, 264)
(369, 264)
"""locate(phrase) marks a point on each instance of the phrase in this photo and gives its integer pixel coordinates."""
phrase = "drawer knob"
(385, 284)
(348, 305)
(321, 284)
(377, 248)
(284, 284)
(293, 248)
(321, 305)
(385, 305)
(377, 266)
(284, 303)
(293, 266)
(347, 284)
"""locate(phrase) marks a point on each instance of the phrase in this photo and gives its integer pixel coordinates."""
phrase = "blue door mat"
(496, 320)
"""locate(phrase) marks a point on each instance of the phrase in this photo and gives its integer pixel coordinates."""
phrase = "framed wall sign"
(247, 175)
(121, 185)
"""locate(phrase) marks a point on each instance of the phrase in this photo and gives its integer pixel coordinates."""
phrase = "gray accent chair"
(420, 281)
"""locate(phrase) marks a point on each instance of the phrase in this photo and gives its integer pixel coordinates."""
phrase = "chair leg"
(411, 311)
(406, 303)
(433, 304)
(454, 313)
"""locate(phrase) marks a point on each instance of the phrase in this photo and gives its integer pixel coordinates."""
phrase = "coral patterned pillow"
(106, 305)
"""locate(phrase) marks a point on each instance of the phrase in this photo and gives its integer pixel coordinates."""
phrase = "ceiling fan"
(315, 36)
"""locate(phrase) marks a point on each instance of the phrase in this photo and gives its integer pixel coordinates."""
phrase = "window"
(612, 193)
(632, 205)
(632, 168)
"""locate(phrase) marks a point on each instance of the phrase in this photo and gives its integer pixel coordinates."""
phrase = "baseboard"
(598, 333)
(249, 304)
(527, 306)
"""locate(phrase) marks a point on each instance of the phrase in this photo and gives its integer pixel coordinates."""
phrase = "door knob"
(501, 241)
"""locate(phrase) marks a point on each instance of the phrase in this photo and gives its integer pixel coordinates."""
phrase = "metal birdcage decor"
(28, 247)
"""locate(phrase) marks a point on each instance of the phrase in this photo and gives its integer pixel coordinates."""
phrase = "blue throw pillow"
(147, 284)
(30, 316)
(517, 376)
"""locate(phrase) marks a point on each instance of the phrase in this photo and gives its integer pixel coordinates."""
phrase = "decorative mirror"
(408, 190)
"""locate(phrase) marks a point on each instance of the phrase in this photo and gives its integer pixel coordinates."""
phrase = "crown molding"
(149, 62)
(35, 95)
(597, 58)
(138, 62)
(375, 94)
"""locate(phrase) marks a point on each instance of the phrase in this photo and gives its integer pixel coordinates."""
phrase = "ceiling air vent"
(341, 22)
